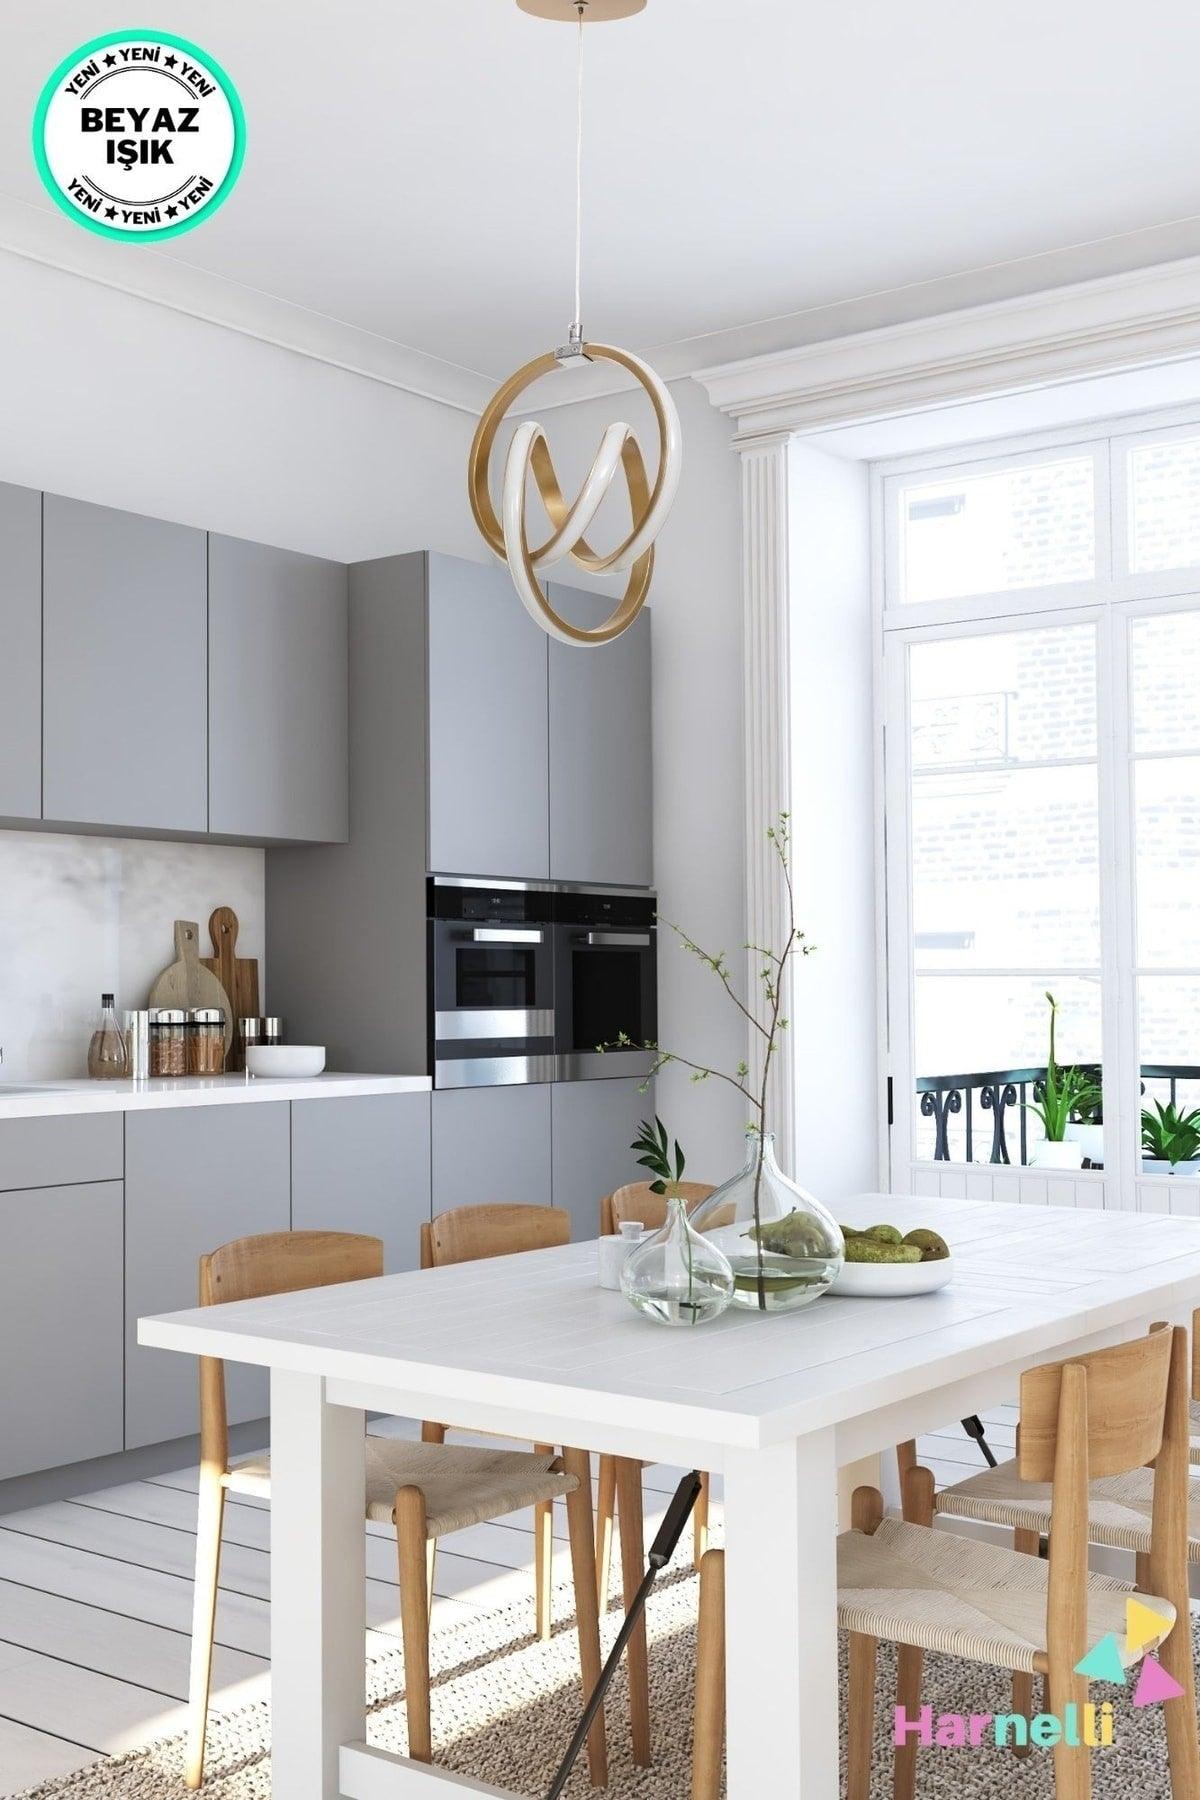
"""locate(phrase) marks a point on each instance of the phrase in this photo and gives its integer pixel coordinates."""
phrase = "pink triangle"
(1155, 1685)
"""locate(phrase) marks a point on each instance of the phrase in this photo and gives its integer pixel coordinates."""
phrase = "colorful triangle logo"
(1103, 1662)
(1155, 1685)
(1142, 1626)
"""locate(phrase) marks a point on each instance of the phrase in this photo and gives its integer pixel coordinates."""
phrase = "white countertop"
(51, 1098)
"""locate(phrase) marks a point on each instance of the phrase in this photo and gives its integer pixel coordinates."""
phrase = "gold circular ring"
(643, 500)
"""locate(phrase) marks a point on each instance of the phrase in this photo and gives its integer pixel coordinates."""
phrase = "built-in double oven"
(527, 980)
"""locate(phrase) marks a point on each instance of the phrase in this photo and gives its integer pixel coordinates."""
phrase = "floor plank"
(28, 1757)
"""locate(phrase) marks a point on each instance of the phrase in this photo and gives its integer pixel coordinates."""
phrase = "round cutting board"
(188, 983)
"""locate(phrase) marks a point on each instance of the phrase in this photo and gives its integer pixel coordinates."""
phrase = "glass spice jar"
(206, 1040)
(168, 1041)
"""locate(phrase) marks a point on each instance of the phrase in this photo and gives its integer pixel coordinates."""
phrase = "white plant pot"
(1049, 1155)
(1090, 1138)
(1157, 1165)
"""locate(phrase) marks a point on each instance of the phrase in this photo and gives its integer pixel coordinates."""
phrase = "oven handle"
(494, 934)
(616, 940)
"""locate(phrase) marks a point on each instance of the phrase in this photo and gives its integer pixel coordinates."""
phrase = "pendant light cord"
(577, 327)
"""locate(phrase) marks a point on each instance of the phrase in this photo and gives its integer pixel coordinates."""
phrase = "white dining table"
(530, 1346)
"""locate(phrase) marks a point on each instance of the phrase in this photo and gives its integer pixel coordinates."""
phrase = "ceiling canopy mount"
(594, 12)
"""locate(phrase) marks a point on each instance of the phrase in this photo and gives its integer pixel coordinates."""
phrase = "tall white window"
(1040, 668)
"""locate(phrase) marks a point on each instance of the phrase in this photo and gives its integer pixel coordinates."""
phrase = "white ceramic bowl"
(293, 1060)
(893, 1281)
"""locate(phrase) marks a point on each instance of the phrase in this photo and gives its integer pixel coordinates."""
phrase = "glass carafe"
(677, 1277)
(107, 1055)
(784, 1249)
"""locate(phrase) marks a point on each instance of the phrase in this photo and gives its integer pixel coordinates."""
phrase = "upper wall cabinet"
(601, 754)
(21, 657)
(278, 694)
(125, 672)
(487, 725)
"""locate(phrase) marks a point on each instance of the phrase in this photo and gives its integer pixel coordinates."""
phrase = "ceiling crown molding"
(164, 280)
(1088, 328)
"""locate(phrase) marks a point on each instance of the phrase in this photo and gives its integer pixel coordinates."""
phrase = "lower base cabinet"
(60, 1326)
(593, 1125)
(491, 1146)
(195, 1177)
(362, 1164)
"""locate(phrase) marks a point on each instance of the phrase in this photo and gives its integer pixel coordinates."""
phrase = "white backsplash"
(84, 915)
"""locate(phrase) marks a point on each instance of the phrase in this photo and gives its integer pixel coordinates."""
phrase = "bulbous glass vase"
(784, 1249)
(676, 1276)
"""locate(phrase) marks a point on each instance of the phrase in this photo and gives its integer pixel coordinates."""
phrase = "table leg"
(781, 1677)
(318, 1607)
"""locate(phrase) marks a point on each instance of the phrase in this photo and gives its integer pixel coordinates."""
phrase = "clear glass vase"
(783, 1247)
(676, 1276)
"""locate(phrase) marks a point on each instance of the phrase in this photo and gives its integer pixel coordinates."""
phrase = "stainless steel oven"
(491, 982)
(605, 982)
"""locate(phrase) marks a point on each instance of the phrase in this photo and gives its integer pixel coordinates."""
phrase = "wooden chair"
(423, 1489)
(637, 1200)
(708, 1726)
(1102, 1418)
(468, 1234)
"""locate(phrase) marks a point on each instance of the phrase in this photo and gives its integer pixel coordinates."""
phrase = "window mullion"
(1122, 1135)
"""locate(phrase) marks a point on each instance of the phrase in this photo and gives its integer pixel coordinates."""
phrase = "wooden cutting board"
(188, 983)
(238, 975)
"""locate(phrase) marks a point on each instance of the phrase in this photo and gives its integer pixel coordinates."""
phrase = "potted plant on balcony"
(1170, 1140)
(1065, 1094)
(1087, 1123)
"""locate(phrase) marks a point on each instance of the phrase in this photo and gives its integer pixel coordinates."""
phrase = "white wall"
(111, 399)
(833, 1008)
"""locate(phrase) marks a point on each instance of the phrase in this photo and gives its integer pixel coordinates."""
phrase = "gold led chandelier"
(529, 452)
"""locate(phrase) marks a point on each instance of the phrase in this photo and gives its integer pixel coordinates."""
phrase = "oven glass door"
(604, 989)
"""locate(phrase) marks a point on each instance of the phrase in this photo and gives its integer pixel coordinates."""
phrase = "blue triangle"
(1103, 1662)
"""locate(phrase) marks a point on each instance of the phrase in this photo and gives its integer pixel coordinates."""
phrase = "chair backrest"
(1124, 1417)
(277, 1262)
(469, 1233)
(637, 1200)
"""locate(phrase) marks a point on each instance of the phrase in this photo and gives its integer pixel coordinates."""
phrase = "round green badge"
(139, 134)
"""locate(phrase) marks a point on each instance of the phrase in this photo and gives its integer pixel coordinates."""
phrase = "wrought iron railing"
(984, 1101)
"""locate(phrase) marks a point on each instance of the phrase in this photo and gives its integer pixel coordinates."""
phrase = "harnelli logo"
(139, 135)
(1091, 1726)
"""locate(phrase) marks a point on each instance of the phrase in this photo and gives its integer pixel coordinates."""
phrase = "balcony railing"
(986, 1100)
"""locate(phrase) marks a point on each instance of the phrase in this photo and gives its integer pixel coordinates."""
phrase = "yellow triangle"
(1142, 1627)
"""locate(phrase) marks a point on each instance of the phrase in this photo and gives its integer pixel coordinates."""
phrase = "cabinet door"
(595, 1122)
(601, 752)
(60, 1326)
(491, 1146)
(278, 691)
(125, 675)
(21, 662)
(195, 1177)
(487, 725)
(362, 1164)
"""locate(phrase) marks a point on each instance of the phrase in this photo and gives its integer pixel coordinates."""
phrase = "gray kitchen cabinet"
(594, 1124)
(125, 670)
(491, 1146)
(601, 753)
(61, 1150)
(487, 725)
(60, 1326)
(21, 661)
(195, 1177)
(362, 1164)
(278, 694)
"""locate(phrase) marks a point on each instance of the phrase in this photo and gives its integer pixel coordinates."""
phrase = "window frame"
(1111, 600)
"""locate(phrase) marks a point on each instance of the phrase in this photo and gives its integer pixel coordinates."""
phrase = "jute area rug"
(504, 1707)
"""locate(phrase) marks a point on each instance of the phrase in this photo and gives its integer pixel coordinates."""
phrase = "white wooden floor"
(95, 1604)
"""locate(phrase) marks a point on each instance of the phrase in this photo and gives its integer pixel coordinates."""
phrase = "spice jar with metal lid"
(272, 1031)
(206, 1040)
(168, 1041)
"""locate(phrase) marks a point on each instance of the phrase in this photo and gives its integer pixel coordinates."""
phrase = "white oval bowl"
(893, 1281)
(294, 1060)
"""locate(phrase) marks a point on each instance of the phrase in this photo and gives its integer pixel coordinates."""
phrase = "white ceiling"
(410, 163)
